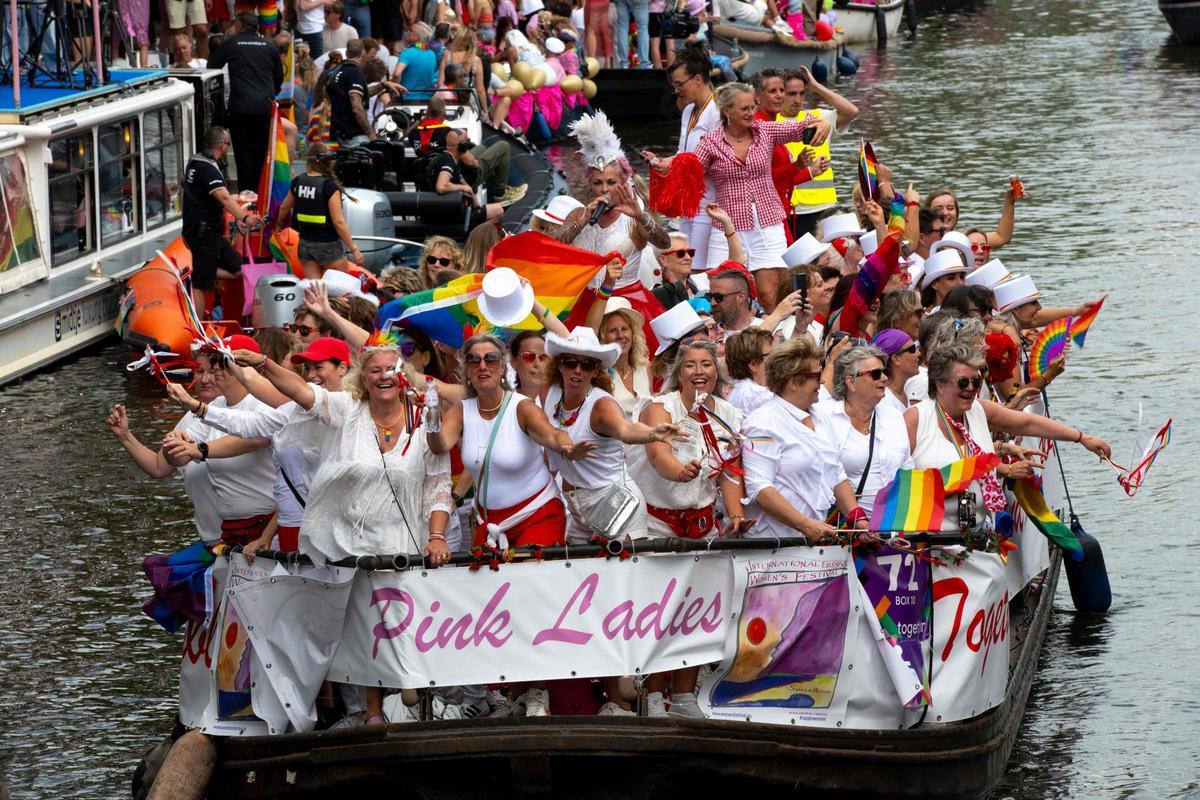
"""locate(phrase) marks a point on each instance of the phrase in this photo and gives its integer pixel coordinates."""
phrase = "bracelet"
(458, 500)
(545, 313)
(731, 234)
(911, 203)
(604, 291)
(201, 410)
(437, 536)
(1080, 439)
(262, 368)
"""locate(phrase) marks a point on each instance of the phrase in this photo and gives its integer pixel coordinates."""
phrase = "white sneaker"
(501, 706)
(655, 706)
(395, 709)
(537, 703)
(475, 710)
(445, 710)
(611, 709)
(684, 705)
(352, 720)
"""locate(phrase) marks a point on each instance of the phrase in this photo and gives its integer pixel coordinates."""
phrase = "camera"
(679, 24)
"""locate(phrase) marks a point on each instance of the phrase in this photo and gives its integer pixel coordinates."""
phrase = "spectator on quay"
(187, 17)
(310, 24)
(181, 53)
(337, 34)
(417, 69)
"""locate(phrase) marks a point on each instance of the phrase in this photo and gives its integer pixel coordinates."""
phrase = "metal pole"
(96, 42)
(15, 53)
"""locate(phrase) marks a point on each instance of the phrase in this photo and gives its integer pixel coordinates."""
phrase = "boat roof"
(38, 101)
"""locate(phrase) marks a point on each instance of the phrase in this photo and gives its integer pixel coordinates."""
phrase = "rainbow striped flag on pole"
(276, 178)
(914, 501)
(957, 477)
(1080, 324)
(1029, 494)
(868, 171)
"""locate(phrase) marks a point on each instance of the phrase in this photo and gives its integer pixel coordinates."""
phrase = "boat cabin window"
(162, 145)
(71, 175)
(18, 235)
(120, 181)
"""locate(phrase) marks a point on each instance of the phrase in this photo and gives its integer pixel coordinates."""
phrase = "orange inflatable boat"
(157, 307)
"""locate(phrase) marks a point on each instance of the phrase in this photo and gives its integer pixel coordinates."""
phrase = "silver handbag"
(609, 516)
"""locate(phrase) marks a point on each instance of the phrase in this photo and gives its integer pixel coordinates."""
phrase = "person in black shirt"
(255, 74)
(316, 199)
(445, 173)
(348, 91)
(205, 201)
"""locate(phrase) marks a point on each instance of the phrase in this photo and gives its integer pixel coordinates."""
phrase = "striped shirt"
(741, 184)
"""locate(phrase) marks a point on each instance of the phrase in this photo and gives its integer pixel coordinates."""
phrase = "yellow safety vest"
(820, 191)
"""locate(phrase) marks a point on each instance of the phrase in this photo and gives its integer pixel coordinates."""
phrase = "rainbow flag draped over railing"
(446, 314)
(915, 500)
(557, 272)
(1029, 494)
(1080, 324)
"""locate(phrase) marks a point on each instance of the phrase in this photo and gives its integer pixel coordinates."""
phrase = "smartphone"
(800, 284)
(807, 135)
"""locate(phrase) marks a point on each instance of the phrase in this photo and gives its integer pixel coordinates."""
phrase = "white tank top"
(517, 470)
(606, 465)
(619, 237)
(935, 450)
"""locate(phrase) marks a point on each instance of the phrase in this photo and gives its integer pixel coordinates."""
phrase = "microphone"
(601, 207)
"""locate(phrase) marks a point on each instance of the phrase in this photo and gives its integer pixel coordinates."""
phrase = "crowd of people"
(799, 351)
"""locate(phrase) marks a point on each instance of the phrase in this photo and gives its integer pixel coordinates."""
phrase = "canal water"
(1083, 98)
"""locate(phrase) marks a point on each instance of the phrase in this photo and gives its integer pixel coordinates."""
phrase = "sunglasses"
(301, 330)
(981, 248)
(441, 262)
(974, 383)
(585, 364)
(911, 347)
(717, 297)
(808, 376)
(690, 252)
(530, 357)
(875, 374)
(491, 359)
(407, 347)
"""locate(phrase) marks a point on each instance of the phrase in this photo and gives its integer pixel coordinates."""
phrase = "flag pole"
(15, 50)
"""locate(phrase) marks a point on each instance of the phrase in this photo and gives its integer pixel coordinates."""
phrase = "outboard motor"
(371, 215)
(275, 298)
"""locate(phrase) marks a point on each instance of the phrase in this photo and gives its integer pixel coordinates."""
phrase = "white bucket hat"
(804, 250)
(839, 226)
(505, 301)
(942, 263)
(582, 342)
(558, 209)
(956, 240)
(989, 275)
(673, 324)
(1016, 292)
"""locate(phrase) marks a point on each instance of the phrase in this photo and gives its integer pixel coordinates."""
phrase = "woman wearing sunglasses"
(901, 363)
(868, 436)
(954, 424)
(439, 254)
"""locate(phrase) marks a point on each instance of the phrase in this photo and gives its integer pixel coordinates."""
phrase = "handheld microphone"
(601, 207)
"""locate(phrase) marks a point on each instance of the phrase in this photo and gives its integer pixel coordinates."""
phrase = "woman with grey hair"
(417, 68)
(868, 436)
(954, 424)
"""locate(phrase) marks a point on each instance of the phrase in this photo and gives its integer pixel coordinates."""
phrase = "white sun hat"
(989, 275)
(558, 209)
(956, 240)
(618, 303)
(1016, 292)
(804, 250)
(505, 301)
(942, 263)
(582, 342)
(674, 324)
(839, 226)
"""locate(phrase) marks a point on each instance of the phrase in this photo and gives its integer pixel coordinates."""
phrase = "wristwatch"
(203, 448)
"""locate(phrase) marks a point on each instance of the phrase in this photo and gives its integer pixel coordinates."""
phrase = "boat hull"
(603, 757)
(766, 52)
(1184, 18)
(858, 24)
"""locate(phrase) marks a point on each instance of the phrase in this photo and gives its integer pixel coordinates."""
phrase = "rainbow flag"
(287, 90)
(1028, 492)
(1080, 325)
(868, 286)
(957, 477)
(276, 178)
(1049, 345)
(557, 272)
(913, 501)
(447, 314)
(868, 171)
(895, 221)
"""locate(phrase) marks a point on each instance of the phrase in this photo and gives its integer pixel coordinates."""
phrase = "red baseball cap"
(240, 341)
(326, 348)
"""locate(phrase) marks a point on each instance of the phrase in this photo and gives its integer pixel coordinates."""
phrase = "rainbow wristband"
(604, 292)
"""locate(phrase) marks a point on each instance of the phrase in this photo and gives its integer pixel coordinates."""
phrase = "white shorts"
(764, 246)
(182, 13)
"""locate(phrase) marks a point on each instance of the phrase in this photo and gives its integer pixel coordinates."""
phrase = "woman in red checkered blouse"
(737, 156)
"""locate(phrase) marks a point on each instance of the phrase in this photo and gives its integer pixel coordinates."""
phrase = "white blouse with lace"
(351, 509)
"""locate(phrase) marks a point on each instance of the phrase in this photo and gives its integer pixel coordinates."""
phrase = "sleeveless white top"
(630, 401)
(606, 465)
(517, 470)
(619, 237)
(935, 450)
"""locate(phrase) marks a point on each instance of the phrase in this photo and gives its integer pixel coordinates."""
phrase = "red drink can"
(1018, 188)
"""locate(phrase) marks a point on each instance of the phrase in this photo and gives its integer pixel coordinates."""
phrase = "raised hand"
(118, 422)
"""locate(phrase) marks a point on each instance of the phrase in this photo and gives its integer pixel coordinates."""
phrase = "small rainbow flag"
(957, 477)
(557, 272)
(1029, 494)
(446, 314)
(895, 221)
(868, 171)
(1080, 325)
(913, 501)
(1049, 345)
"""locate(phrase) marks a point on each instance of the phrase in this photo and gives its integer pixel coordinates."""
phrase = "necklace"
(568, 421)
(386, 428)
(490, 410)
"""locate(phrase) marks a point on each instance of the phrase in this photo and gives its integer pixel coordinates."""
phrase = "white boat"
(90, 180)
(860, 21)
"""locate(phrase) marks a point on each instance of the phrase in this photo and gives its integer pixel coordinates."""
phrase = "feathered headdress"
(599, 144)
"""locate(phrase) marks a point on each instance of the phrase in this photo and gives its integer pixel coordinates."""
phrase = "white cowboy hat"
(869, 242)
(618, 303)
(674, 324)
(940, 264)
(916, 268)
(555, 45)
(505, 301)
(989, 275)
(582, 342)
(804, 250)
(956, 240)
(839, 226)
(558, 209)
(1016, 292)
(338, 283)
